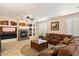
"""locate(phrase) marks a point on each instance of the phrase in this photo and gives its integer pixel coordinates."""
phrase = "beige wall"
(42, 27)
(62, 25)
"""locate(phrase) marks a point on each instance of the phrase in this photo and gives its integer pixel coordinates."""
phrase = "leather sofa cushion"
(68, 50)
(53, 41)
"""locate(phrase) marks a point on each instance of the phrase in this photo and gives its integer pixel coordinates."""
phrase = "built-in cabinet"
(9, 28)
(8, 23)
(18, 24)
(32, 29)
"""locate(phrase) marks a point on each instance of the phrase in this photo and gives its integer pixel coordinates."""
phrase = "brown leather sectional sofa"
(56, 38)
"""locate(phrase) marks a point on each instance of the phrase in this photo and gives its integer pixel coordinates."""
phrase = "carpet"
(26, 50)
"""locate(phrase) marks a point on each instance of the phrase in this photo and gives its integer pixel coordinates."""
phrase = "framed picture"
(54, 25)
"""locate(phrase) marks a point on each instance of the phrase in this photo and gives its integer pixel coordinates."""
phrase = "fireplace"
(22, 34)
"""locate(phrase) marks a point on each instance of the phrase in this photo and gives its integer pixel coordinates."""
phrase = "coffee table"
(39, 44)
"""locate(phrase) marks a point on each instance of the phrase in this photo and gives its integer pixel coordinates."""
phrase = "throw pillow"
(66, 40)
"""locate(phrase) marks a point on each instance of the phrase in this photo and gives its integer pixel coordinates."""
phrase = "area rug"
(26, 50)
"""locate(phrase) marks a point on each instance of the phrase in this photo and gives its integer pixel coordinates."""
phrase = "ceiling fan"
(30, 18)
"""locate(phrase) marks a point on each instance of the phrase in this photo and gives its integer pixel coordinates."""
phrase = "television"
(8, 29)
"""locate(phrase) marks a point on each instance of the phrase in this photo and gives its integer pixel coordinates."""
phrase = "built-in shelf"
(8, 23)
(4, 22)
(22, 24)
(32, 29)
(12, 23)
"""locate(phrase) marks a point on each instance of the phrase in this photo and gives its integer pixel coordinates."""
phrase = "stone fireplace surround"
(22, 34)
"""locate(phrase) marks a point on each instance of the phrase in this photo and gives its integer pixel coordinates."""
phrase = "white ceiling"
(38, 10)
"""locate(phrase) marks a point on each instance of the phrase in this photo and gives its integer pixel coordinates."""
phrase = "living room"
(39, 29)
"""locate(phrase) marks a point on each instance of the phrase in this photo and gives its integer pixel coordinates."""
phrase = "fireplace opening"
(23, 34)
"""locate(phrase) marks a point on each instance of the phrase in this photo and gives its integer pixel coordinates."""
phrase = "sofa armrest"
(67, 51)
